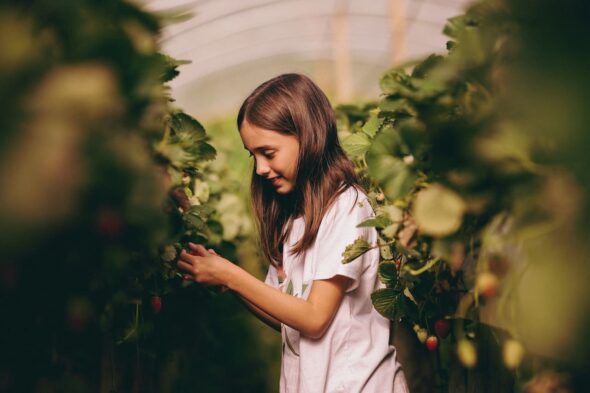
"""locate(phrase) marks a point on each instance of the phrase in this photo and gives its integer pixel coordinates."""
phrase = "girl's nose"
(262, 168)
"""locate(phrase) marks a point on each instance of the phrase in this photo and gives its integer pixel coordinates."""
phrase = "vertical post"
(397, 18)
(341, 45)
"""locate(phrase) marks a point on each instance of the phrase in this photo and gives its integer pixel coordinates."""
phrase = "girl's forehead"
(255, 137)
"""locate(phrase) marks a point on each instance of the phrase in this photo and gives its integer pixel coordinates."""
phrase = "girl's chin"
(284, 187)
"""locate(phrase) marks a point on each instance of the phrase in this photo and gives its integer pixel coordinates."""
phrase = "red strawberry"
(432, 343)
(109, 222)
(78, 312)
(156, 303)
(442, 328)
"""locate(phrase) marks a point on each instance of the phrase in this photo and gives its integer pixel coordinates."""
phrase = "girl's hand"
(204, 266)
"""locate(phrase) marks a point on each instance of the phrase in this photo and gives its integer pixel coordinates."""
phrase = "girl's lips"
(275, 181)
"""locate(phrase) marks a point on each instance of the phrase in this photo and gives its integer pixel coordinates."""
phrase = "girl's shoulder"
(351, 199)
(352, 196)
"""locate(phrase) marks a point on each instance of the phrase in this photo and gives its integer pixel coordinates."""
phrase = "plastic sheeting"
(344, 45)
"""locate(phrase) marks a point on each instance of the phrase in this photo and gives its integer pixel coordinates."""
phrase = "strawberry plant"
(104, 183)
(464, 187)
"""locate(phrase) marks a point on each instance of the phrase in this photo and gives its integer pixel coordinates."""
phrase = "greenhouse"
(382, 196)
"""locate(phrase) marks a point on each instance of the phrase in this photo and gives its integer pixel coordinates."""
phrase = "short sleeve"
(272, 277)
(338, 230)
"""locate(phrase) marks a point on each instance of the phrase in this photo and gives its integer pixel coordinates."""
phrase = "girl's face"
(275, 155)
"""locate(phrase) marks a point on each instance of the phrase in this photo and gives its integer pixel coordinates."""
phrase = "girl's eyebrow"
(261, 148)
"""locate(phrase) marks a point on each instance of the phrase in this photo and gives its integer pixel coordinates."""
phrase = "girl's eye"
(269, 154)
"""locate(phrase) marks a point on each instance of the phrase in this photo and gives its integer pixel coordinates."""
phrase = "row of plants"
(474, 201)
(104, 183)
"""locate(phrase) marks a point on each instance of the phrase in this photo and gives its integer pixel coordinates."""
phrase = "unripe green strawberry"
(422, 335)
(442, 328)
(409, 159)
(512, 353)
(487, 284)
(432, 343)
(466, 353)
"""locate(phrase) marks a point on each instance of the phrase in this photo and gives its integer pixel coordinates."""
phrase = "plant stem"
(423, 268)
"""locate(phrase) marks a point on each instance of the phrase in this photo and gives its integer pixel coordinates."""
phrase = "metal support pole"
(398, 30)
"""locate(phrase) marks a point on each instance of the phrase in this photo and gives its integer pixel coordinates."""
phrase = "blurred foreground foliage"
(103, 183)
(478, 172)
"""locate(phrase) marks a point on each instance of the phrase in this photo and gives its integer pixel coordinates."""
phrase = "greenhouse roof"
(343, 45)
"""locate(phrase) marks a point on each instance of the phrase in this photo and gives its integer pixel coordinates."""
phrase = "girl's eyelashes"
(268, 154)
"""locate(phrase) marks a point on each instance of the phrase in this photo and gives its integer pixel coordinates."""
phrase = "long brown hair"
(293, 105)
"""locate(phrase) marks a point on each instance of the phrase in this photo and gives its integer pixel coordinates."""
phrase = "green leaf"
(401, 184)
(290, 287)
(372, 126)
(413, 134)
(195, 222)
(396, 143)
(384, 301)
(397, 106)
(422, 70)
(375, 222)
(454, 26)
(392, 304)
(429, 88)
(173, 16)
(387, 273)
(392, 174)
(356, 145)
(175, 154)
(202, 211)
(385, 252)
(183, 123)
(380, 157)
(206, 152)
(170, 67)
(355, 250)
(396, 81)
(352, 112)
(438, 211)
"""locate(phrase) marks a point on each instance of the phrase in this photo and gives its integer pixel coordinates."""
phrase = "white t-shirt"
(354, 354)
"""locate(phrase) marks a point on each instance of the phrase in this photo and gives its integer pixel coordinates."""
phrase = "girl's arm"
(264, 317)
(310, 317)
(261, 315)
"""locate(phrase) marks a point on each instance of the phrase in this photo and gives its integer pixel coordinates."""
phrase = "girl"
(308, 202)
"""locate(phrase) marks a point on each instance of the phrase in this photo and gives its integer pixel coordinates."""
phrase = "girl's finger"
(212, 251)
(198, 249)
(185, 256)
(184, 266)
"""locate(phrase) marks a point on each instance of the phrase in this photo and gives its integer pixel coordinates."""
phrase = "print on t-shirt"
(292, 336)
